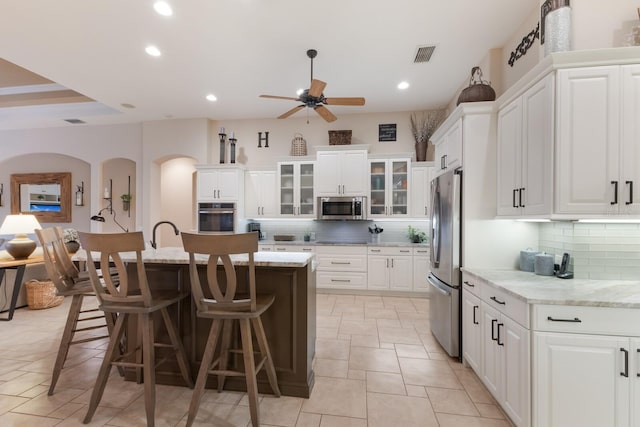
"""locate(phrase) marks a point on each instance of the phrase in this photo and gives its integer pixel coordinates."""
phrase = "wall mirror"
(45, 195)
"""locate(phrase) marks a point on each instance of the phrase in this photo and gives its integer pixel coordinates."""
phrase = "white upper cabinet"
(525, 140)
(341, 173)
(260, 194)
(389, 187)
(223, 184)
(598, 154)
(296, 189)
(420, 191)
(449, 149)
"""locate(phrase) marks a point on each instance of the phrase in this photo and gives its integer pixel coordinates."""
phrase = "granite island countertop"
(326, 243)
(535, 289)
(177, 255)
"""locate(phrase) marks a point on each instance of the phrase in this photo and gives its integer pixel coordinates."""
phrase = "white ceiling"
(239, 49)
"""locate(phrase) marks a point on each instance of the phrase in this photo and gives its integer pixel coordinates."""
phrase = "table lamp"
(21, 246)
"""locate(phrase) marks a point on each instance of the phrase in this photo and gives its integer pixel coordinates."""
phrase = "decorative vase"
(125, 205)
(431, 151)
(421, 151)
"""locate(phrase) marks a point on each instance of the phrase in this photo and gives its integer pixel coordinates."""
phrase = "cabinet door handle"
(626, 363)
(391, 262)
(498, 340)
(387, 262)
(375, 250)
(475, 321)
(471, 285)
(498, 301)
(513, 198)
(520, 191)
(493, 324)
(615, 192)
(638, 351)
(574, 320)
(630, 184)
(425, 211)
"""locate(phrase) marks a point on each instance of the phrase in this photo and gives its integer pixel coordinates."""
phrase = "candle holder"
(80, 194)
(232, 150)
(223, 137)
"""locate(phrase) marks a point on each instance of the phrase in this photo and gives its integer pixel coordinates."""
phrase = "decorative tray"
(284, 237)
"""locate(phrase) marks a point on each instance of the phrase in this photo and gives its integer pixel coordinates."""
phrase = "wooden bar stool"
(68, 282)
(130, 303)
(223, 306)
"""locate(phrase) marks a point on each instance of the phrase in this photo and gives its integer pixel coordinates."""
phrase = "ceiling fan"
(314, 98)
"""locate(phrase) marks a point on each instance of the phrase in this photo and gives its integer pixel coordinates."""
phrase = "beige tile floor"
(376, 365)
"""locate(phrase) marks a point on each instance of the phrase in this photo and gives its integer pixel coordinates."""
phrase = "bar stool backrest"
(57, 259)
(106, 249)
(210, 249)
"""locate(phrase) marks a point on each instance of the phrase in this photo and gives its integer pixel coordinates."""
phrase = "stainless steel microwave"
(348, 208)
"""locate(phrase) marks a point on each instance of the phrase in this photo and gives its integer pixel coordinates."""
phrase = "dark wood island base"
(290, 323)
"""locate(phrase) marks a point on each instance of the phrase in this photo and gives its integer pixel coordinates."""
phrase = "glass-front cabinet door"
(389, 183)
(296, 189)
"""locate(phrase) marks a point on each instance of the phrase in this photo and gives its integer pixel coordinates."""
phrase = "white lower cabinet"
(583, 375)
(390, 268)
(497, 347)
(341, 267)
(293, 248)
(421, 269)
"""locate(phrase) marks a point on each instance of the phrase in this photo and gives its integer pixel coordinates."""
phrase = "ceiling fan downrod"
(312, 53)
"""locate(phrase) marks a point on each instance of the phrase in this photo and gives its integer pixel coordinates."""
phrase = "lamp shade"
(20, 247)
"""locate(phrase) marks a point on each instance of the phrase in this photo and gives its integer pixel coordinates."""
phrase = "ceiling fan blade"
(317, 86)
(344, 101)
(325, 113)
(290, 112)
(279, 97)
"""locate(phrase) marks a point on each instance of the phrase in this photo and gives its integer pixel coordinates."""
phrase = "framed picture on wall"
(387, 132)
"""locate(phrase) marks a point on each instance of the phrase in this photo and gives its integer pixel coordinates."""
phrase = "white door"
(630, 153)
(471, 331)
(634, 379)
(537, 146)
(378, 272)
(420, 179)
(327, 172)
(305, 189)
(588, 140)
(492, 353)
(509, 158)
(353, 169)
(517, 382)
(578, 380)
(268, 197)
(228, 185)
(207, 185)
(252, 206)
(401, 273)
(421, 269)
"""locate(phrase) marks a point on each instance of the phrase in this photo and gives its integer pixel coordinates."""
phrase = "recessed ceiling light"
(153, 51)
(163, 8)
(211, 97)
(299, 92)
(403, 85)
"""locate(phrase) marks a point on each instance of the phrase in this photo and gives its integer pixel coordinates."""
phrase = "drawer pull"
(493, 323)
(626, 363)
(341, 263)
(341, 280)
(404, 251)
(475, 322)
(375, 250)
(306, 249)
(500, 343)
(498, 301)
(574, 320)
(471, 285)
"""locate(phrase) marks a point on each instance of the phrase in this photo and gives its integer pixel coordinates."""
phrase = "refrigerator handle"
(434, 242)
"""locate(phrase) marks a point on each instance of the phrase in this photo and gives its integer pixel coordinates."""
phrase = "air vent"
(423, 54)
(75, 121)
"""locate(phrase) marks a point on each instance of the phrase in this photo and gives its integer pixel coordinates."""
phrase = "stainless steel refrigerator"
(444, 278)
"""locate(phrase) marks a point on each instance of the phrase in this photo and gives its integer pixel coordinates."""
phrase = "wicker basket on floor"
(42, 294)
(339, 137)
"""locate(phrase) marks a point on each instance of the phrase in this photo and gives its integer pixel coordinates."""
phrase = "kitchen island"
(290, 323)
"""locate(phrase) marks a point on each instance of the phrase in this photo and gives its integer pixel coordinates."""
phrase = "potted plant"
(307, 236)
(416, 236)
(71, 239)
(126, 201)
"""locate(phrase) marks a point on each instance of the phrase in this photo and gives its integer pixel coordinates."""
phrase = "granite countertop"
(325, 243)
(535, 289)
(177, 255)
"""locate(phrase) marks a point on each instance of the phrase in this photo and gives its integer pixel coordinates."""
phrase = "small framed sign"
(387, 132)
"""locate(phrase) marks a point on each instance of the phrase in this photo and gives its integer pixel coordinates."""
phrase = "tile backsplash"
(598, 251)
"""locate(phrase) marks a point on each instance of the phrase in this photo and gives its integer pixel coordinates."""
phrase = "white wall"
(176, 200)
(601, 24)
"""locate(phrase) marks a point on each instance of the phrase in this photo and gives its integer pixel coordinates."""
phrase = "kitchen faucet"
(153, 241)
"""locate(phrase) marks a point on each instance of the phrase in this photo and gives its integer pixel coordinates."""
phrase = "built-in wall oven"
(216, 217)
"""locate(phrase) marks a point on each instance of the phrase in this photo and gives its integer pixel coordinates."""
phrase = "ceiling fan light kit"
(314, 97)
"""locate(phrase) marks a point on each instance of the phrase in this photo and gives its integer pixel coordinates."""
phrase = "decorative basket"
(339, 137)
(298, 145)
(42, 294)
(478, 90)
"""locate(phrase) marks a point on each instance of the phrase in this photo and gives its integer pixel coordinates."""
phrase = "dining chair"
(131, 303)
(221, 301)
(69, 282)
